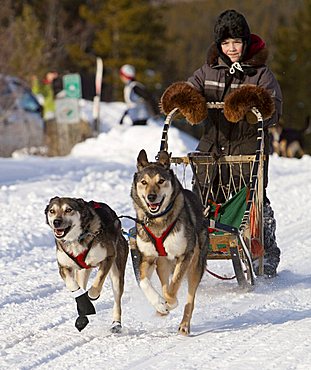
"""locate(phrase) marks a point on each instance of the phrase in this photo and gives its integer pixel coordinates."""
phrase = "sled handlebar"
(210, 105)
(173, 113)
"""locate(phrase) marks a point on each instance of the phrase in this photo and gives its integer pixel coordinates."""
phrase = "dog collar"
(85, 235)
(167, 209)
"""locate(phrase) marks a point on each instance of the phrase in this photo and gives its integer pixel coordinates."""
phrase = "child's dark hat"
(231, 24)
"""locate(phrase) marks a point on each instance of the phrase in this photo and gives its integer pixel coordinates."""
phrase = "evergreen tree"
(23, 46)
(292, 65)
(126, 32)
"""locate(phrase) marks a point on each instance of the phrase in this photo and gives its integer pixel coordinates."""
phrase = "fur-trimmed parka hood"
(257, 54)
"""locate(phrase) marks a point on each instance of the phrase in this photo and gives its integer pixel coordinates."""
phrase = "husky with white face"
(88, 236)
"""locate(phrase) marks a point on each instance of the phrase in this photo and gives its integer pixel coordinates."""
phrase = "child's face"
(232, 48)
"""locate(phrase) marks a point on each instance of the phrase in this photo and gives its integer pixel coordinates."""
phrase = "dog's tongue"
(154, 206)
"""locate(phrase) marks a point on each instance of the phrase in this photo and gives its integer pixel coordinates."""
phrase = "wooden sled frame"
(243, 243)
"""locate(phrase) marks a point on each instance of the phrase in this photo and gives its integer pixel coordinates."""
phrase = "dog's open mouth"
(154, 207)
(60, 233)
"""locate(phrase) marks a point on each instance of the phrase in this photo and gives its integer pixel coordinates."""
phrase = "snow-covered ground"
(267, 328)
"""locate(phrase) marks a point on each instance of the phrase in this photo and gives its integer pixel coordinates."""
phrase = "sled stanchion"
(167, 123)
(254, 177)
(170, 117)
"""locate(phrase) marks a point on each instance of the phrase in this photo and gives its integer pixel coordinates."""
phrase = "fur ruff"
(239, 103)
(255, 60)
(191, 104)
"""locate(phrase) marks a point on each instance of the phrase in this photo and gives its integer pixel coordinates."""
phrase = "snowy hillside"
(267, 328)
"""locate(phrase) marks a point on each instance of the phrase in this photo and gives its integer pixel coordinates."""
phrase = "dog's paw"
(161, 306)
(154, 298)
(81, 322)
(116, 327)
(92, 296)
(184, 330)
(171, 304)
(93, 293)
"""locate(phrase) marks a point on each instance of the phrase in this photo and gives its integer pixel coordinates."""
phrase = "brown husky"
(171, 235)
(88, 235)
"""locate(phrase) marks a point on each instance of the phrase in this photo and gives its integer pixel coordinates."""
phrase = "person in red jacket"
(236, 58)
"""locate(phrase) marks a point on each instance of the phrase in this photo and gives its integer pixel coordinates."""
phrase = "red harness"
(80, 259)
(158, 241)
(96, 205)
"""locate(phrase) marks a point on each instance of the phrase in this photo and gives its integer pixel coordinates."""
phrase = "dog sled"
(236, 224)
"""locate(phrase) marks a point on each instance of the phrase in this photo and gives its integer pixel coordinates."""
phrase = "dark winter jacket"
(214, 81)
(219, 134)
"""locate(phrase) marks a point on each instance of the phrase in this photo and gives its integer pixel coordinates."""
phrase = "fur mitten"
(238, 104)
(191, 104)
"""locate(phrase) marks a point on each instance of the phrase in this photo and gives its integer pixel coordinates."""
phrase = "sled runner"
(236, 223)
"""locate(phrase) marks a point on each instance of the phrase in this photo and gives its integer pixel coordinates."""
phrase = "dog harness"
(80, 258)
(158, 241)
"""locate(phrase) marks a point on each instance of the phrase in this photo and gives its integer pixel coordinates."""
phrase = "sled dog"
(88, 235)
(289, 142)
(171, 235)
